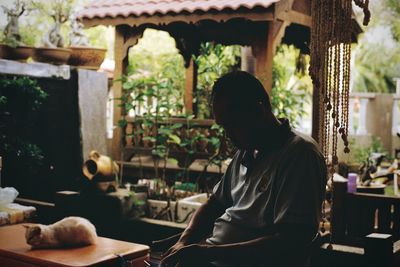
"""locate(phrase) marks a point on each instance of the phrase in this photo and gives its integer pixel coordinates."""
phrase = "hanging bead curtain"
(330, 70)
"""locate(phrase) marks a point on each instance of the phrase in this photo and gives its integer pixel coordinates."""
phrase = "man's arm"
(289, 243)
(202, 222)
(200, 225)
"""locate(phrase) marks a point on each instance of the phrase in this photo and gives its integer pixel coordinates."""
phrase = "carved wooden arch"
(275, 20)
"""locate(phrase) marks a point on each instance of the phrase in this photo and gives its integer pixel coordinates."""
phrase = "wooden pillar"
(264, 53)
(190, 87)
(121, 62)
(247, 60)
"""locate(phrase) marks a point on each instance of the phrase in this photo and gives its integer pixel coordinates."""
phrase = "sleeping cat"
(69, 232)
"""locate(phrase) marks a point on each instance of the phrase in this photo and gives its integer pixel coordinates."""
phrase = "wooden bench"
(365, 231)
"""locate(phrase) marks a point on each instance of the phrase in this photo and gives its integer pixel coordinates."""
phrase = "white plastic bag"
(7, 195)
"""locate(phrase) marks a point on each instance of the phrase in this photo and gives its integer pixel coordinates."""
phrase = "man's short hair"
(242, 88)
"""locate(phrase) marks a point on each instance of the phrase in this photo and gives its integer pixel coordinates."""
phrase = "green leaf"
(127, 85)
(172, 161)
(122, 123)
(149, 138)
(176, 126)
(175, 138)
(129, 106)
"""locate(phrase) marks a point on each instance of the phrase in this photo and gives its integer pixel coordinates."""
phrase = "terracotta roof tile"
(126, 8)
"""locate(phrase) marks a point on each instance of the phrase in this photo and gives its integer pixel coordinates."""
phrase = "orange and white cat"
(68, 232)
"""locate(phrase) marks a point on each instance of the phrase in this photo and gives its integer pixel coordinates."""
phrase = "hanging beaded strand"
(330, 72)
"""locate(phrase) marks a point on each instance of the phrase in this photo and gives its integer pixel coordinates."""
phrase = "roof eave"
(134, 21)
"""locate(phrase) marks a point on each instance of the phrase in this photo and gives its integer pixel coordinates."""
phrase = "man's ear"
(262, 108)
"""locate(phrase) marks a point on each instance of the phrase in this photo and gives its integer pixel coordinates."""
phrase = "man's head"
(241, 105)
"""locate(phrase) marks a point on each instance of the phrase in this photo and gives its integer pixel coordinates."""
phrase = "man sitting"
(266, 209)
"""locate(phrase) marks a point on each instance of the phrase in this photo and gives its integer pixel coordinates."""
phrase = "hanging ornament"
(330, 71)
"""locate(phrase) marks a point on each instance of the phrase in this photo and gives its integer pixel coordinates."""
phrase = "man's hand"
(172, 250)
(180, 253)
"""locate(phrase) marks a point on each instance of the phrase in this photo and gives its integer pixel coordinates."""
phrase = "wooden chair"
(355, 215)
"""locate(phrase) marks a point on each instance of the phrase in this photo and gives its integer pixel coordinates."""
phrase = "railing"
(358, 112)
(370, 114)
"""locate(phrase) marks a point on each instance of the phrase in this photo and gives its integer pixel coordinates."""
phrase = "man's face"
(239, 123)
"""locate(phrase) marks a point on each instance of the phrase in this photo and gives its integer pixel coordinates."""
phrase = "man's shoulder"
(303, 142)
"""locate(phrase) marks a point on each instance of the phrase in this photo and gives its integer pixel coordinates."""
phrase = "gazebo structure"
(259, 24)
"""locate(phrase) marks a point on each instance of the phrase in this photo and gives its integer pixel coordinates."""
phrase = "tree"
(376, 57)
(34, 25)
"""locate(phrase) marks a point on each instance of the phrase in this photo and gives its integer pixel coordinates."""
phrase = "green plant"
(59, 11)
(214, 61)
(20, 99)
(10, 42)
(291, 87)
(361, 153)
(154, 99)
(11, 35)
(377, 52)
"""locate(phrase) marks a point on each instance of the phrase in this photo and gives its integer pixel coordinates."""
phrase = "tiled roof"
(126, 8)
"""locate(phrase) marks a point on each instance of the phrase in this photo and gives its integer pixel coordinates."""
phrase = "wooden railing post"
(362, 125)
(338, 212)
(190, 87)
(378, 250)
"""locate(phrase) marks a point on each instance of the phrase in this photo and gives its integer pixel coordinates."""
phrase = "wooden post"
(264, 53)
(190, 87)
(121, 62)
(378, 250)
(247, 60)
(338, 211)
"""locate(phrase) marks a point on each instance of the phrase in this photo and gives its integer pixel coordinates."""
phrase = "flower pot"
(19, 53)
(56, 56)
(87, 57)
(188, 206)
(157, 206)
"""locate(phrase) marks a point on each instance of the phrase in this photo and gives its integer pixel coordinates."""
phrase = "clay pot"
(100, 166)
(56, 56)
(87, 57)
(19, 53)
(101, 171)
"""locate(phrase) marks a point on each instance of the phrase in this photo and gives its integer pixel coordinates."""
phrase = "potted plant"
(83, 55)
(53, 51)
(12, 47)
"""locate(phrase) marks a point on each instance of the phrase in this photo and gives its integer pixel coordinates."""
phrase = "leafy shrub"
(20, 98)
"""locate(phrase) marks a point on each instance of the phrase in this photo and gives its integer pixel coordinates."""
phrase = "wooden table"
(14, 252)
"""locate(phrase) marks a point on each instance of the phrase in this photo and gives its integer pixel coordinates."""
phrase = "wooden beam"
(302, 6)
(263, 50)
(121, 62)
(279, 32)
(282, 6)
(293, 11)
(295, 17)
(190, 86)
